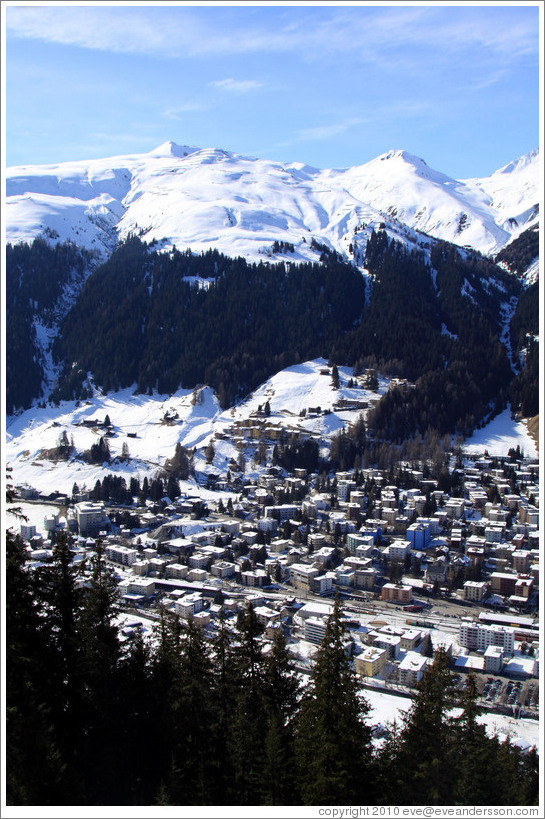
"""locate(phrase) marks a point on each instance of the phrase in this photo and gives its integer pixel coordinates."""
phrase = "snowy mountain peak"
(171, 149)
(529, 159)
(411, 159)
(200, 198)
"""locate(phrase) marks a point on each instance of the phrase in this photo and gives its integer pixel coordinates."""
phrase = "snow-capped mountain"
(202, 198)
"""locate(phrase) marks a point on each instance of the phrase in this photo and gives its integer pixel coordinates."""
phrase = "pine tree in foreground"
(332, 740)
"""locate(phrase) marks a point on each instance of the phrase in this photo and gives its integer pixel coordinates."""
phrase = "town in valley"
(417, 559)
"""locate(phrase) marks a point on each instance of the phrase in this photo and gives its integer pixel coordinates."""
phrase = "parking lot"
(496, 691)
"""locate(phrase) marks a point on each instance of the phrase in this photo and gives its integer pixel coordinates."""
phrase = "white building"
(475, 637)
(302, 575)
(267, 525)
(475, 591)
(355, 540)
(177, 571)
(122, 554)
(91, 517)
(493, 659)
(28, 530)
(315, 628)
(399, 549)
(411, 668)
(223, 568)
(323, 584)
(189, 605)
(141, 585)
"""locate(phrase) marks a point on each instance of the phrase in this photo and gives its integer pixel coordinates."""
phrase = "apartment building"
(371, 661)
(396, 593)
(476, 637)
(411, 668)
(475, 591)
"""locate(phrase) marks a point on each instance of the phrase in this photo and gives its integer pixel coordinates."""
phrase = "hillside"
(185, 267)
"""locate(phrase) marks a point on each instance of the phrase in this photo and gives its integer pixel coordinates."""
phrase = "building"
(419, 535)
(302, 575)
(323, 583)
(198, 560)
(396, 593)
(282, 513)
(121, 554)
(197, 575)
(503, 583)
(410, 639)
(28, 530)
(399, 549)
(142, 585)
(323, 556)
(411, 668)
(365, 579)
(91, 517)
(344, 488)
(223, 569)
(315, 609)
(266, 615)
(390, 642)
(493, 659)
(475, 591)
(140, 568)
(189, 605)
(269, 525)
(521, 560)
(315, 628)
(316, 540)
(177, 571)
(371, 661)
(476, 637)
(279, 545)
(255, 577)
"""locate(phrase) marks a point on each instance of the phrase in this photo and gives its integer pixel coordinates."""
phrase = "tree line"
(36, 277)
(100, 715)
(140, 319)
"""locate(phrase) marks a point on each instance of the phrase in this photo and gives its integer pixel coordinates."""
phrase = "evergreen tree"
(137, 772)
(281, 693)
(60, 597)
(472, 754)
(332, 742)
(194, 780)
(248, 718)
(424, 775)
(35, 768)
(101, 655)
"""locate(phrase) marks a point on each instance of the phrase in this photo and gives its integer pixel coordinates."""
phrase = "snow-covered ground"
(196, 420)
(203, 198)
(34, 514)
(500, 435)
(385, 708)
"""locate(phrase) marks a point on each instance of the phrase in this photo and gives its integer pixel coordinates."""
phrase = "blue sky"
(328, 85)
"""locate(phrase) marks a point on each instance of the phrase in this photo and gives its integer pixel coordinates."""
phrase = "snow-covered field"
(197, 419)
(499, 436)
(385, 708)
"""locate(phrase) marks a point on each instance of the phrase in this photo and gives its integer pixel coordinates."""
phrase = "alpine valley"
(203, 278)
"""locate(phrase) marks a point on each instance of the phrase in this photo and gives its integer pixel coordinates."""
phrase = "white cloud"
(367, 33)
(320, 132)
(178, 111)
(236, 86)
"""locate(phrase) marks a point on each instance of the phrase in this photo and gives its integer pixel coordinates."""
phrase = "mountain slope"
(202, 198)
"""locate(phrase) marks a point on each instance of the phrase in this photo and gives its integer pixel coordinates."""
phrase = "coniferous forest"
(141, 319)
(98, 717)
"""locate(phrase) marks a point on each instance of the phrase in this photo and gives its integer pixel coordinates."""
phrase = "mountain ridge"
(201, 198)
